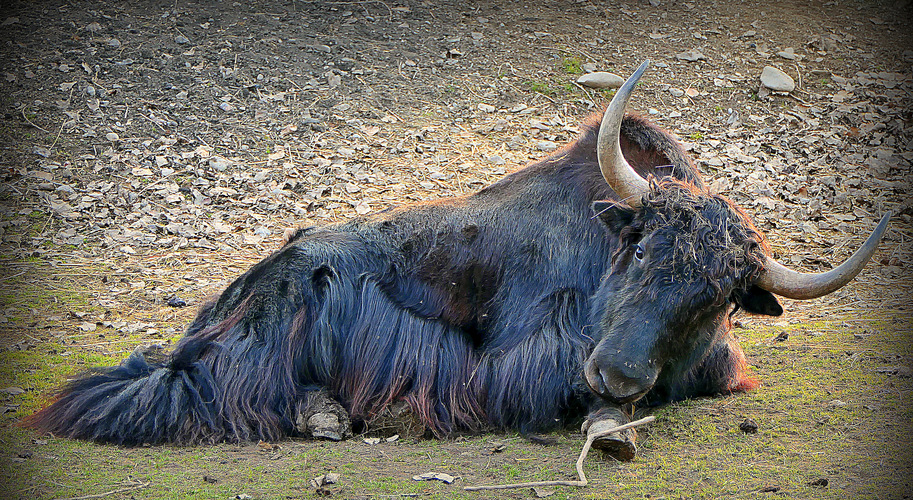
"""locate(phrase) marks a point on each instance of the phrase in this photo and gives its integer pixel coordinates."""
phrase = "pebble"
(690, 56)
(546, 146)
(788, 53)
(181, 40)
(601, 80)
(488, 108)
(219, 163)
(588, 67)
(774, 79)
(112, 136)
(227, 107)
(114, 42)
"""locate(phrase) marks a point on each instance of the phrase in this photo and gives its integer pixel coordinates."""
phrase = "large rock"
(775, 79)
(601, 80)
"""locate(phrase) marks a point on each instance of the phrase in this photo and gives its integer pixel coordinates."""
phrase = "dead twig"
(32, 124)
(583, 453)
(107, 493)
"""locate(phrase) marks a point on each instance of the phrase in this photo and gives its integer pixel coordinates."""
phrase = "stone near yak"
(601, 80)
(775, 79)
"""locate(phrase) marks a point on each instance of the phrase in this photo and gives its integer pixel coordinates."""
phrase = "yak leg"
(723, 371)
(604, 416)
(322, 417)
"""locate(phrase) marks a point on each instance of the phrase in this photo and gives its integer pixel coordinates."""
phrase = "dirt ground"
(150, 152)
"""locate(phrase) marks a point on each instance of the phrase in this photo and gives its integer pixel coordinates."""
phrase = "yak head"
(685, 259)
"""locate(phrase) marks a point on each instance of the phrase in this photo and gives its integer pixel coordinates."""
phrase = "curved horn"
(777, 278)
(616, 170)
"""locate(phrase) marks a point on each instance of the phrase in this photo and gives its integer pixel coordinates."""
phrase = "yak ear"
(614, 215)
(759, 301)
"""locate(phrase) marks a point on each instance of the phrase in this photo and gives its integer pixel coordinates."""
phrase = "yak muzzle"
(622, 382)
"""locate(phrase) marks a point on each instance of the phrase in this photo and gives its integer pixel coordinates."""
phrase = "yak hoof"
(619, 445)
(325, 426)
(322, 417)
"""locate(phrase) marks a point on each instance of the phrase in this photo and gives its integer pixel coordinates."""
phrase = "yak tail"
(134, 403)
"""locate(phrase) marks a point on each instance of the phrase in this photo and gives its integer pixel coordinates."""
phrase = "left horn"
(777, 278)
(627, 183)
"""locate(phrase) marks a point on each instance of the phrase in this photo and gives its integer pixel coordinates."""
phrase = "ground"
(151, 152)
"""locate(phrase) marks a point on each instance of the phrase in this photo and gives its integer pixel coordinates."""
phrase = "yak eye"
(638, 252)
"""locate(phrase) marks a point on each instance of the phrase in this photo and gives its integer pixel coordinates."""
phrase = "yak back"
(476, 261)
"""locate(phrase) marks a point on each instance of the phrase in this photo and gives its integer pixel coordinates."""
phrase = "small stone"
(488, 108)
(226, 107)
(690, 56)
(601, 80)
(788, 53)
(219, 163)
(113, 42)
(774, 79)
(749, 426)
(181, 40)
(821, 482)
(432, 476)
(546, 146)
(112, 136)
(588, 67)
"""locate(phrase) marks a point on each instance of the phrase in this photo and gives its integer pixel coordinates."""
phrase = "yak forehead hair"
(701, 236)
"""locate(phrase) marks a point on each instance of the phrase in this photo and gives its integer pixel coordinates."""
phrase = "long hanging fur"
(475, 311)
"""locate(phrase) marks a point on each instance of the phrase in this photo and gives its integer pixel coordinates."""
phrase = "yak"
(603, 276)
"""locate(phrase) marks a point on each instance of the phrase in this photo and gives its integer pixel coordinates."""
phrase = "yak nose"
(624, 382)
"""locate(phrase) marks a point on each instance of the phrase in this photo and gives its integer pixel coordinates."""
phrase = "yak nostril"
(594, 378)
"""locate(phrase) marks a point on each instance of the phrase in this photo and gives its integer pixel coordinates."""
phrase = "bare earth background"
(150, 152)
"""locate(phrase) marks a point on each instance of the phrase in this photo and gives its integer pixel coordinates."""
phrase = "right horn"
(777, 278)
(617, 171)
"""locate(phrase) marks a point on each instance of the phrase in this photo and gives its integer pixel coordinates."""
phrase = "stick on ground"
(583, 453)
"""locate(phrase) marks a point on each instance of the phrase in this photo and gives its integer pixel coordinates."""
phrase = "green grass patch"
(572, 65)
(829, 407)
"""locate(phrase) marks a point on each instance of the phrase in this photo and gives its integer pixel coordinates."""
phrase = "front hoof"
(618, 445)
(325, 426)
(321, 417)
